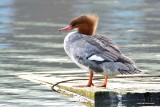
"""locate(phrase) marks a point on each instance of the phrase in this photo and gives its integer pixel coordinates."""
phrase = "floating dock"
(128, 90)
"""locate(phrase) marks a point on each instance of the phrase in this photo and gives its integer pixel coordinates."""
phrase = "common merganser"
(95, 53)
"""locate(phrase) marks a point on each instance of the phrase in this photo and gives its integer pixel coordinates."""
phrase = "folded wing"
(100, 53)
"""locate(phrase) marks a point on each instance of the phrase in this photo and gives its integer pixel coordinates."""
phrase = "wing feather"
(99, 52)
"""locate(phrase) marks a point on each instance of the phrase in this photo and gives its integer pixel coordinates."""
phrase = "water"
(30, 42)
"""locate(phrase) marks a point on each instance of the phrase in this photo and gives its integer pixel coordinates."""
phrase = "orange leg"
(104, 84)
(89, 81)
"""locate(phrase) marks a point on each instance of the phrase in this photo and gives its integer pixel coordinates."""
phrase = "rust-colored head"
(86, 24)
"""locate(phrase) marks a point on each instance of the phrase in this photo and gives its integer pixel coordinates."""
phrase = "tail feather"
(123, 68)
(132, 69)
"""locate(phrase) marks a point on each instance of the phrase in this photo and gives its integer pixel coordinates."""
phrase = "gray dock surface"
(138, 90)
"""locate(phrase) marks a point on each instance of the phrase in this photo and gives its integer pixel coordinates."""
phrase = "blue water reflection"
(7, 11)
(6, 3)
(6, 16)
(4, 45)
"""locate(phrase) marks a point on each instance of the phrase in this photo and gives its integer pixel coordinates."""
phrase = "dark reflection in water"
(30, 42)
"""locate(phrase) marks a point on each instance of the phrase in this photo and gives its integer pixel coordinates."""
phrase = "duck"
(95, 53)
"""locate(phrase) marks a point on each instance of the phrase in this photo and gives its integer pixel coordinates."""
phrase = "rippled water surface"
(30, 42)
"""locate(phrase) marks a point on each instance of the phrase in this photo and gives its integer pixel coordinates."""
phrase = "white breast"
(68, 41)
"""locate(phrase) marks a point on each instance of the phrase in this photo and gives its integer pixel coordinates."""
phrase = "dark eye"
(75, 24)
